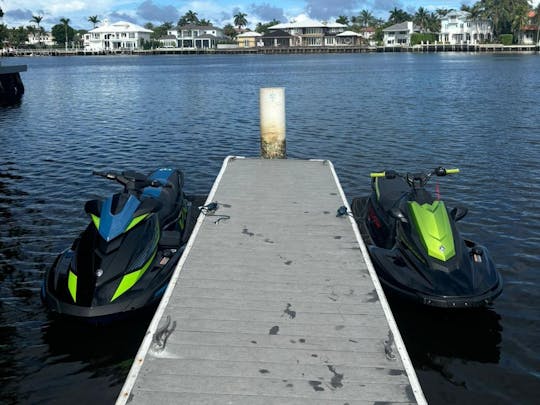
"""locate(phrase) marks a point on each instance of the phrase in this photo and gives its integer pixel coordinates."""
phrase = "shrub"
(423, 38)
(506, 39)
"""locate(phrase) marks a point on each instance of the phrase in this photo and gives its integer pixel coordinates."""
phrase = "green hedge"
(425, 38)
(506, 39)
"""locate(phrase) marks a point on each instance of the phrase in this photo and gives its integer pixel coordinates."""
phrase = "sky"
(219, 12)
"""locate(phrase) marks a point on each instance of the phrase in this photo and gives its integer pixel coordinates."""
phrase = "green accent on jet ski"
(377, 189)
(182, 219)
(72, 285)
(130, 279)
(135, 221)
(96, 220)
(433, 225)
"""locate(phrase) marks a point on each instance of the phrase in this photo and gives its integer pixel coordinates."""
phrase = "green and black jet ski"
(415, 245)
(123, 261)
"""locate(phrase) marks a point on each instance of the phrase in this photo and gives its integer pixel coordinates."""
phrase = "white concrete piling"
(273, 123)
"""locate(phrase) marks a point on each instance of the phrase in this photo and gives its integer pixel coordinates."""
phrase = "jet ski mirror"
(398, 214)
(458, 213)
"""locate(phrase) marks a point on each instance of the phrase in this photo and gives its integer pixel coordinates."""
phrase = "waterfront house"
(310, 32)
(400, 34)
(121, 35)
(348, 38)
(249, 39)
(278, 38)
(529, 32)
(459, 28)
(192, 36)
(41, 39)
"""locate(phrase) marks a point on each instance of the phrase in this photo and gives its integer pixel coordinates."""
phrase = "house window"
(312, 31)
(313, 41)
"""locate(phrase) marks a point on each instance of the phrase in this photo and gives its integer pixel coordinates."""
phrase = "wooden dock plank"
(273, 302)
(254, 369)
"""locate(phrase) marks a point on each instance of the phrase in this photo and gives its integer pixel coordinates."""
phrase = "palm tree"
(37, 19)
(94, 19)
(504, 14)
(189, 18)
(32, 31)
(520, 18)
(421, 18)
(365, 18)
(240, 20)
(397, 16)
(441, 12)
(433, 23)
(343, 19)
(1, 13)
(65, 22)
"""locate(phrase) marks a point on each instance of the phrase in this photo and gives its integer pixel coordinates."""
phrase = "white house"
(400, 34)
(121, 35)
(41, 39)
(193, 36)
(310, 32)
(458, 28)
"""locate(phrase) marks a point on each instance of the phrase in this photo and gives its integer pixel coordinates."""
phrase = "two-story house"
(399, 34)
(459, 28)
(41, 39)
(121, 35)
(310, 32)
(192, 36)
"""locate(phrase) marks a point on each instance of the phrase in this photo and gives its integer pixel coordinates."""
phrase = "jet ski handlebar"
(416, 178)
(132, 180)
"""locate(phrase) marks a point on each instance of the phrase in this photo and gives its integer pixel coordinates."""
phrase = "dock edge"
(411, 373)
(138, 361)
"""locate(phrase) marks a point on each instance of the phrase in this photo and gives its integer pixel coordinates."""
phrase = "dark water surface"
(364, 112)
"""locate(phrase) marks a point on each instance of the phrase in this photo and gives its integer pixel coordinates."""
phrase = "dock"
(274, 301)
(290, 50)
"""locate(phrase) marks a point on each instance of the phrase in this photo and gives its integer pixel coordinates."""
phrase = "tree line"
(507, 17)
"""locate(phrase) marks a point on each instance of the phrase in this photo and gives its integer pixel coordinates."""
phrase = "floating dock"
(275, 301)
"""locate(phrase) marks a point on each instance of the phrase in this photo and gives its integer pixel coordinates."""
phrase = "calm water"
(364, 112)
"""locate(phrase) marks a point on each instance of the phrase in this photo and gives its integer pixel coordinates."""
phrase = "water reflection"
(100, 355)
(431, 334)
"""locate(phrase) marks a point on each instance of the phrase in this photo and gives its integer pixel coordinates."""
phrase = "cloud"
(116, 16)
(19, 14)
(149, 11)
(267, 12)
(324, 9)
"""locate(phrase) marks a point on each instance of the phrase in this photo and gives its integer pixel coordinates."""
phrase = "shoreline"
(425, 48)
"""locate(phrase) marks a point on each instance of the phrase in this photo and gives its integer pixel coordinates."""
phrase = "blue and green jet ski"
(416, 247)
(123, 261)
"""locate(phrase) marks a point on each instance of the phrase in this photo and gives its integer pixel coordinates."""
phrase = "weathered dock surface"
(276, 304)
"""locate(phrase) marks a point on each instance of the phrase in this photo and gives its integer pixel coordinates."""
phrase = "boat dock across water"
(275, 300)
